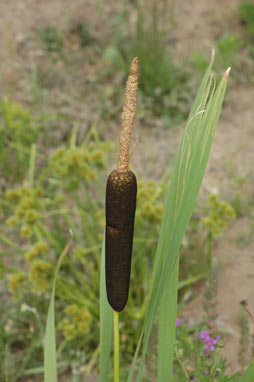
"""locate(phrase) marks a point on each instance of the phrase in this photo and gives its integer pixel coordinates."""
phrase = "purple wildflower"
(204, 335)
(209, 341)
(178, 321)
(206, 372)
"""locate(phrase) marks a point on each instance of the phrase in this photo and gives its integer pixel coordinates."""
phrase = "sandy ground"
(196, 23)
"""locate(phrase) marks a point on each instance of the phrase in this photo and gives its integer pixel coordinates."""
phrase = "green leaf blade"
(167, 327)
(50, 359)
(50, 363)
(186, 180)
(106, 322)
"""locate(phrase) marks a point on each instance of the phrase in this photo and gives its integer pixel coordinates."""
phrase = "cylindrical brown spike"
(120, 214)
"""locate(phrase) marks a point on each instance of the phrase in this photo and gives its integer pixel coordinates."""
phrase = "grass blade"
(197, 108)
(50, 361)
(106, 326)
(199, 97)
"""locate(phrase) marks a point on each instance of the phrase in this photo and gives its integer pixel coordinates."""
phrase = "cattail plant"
(185, 183)
(121, 194)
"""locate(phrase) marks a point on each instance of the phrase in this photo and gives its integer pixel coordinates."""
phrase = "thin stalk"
(37, 233)
(182, 365)
(9, 242)
(32, 166)
(82, 280)
(212, 369)
(79, 205)
(50, 237)
(71, 224)
(90, 250)
(29, 354)
(62, 211)
(251, 316)
(61, 348)
(6, 366)
(74, 135)
(192, 280)
(209, 250)
(92, 362)
(116, 346)
(91, 202)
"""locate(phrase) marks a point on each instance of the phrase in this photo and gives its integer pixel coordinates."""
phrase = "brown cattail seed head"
(120, 213)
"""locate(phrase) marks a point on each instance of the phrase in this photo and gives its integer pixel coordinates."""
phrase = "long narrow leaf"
(198, 105)
(186, 180)
(184, 190)
(50, 361)
(106, 326)
(167, 224)
(195, 116)
(167, 327)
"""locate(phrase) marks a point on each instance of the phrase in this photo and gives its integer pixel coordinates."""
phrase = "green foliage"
(18, 130)
(196, 359)
(235, 50)
(246, 12)
(199, 60)
(158, 74)
(82, 31)
(65, 190)
(51, 39)
(162, 82)
(196, 249)
(227, 48)
(220, 214)
(44, 204)
(245, 335)
(210, 294)
(50, 361)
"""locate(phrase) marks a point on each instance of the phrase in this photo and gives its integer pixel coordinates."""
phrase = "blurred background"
(63, 69)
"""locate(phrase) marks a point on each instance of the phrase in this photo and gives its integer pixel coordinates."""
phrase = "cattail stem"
(116, 346)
